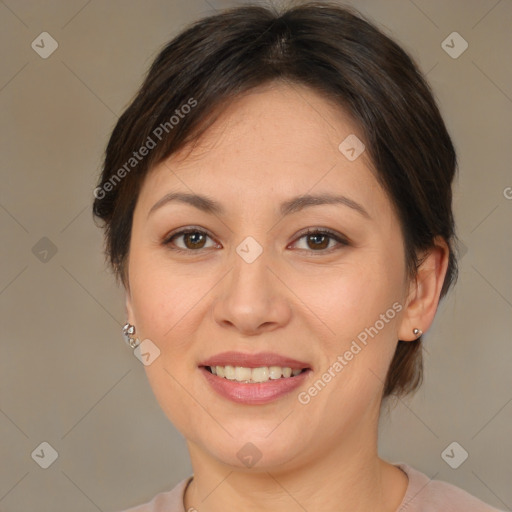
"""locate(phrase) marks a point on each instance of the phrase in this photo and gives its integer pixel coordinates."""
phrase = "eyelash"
(311, 231)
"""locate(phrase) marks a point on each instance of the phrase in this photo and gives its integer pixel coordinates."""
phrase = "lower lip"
(254, 393)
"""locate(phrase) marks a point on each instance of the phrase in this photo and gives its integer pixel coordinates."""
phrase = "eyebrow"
(209, 205)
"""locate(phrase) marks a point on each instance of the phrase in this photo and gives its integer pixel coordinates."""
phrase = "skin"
(277, 142)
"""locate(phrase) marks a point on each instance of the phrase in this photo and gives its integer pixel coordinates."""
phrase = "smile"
(254, 379)
(254, 375)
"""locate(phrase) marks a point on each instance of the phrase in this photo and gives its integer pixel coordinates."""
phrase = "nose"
(252, 298)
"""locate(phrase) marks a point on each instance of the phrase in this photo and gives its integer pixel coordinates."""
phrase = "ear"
(424, 291)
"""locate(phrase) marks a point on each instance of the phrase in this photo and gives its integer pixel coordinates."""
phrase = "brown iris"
(316, 237)
(197, 240)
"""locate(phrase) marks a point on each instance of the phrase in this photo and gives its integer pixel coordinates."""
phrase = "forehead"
(287, 118)
(276, 141)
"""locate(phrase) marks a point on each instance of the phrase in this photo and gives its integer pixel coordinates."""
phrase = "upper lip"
(254, 360)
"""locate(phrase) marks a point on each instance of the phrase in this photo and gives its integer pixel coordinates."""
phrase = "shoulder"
(426, 495)
(170, 501)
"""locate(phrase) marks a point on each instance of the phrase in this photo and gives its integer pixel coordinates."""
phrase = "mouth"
(254, 368)
(246, 375)
(254, 379)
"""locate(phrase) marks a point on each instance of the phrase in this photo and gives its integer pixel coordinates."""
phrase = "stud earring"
(128, 332)
(417, 332)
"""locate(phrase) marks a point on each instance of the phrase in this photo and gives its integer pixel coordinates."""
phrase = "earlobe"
(425, 292)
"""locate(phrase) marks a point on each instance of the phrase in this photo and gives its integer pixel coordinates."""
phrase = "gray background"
(66, 375)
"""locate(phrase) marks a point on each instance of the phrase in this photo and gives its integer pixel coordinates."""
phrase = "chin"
(252, 448)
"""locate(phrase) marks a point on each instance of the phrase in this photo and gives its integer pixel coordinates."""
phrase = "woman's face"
(250, 280)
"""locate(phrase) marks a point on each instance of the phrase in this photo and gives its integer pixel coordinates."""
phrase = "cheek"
(162, 293)
(165, 305)
(361, 307)
(352, 297)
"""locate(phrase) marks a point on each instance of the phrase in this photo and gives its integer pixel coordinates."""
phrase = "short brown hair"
(330, 49)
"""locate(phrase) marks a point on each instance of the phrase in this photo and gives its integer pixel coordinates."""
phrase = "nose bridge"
(251, 296)
(250, 270)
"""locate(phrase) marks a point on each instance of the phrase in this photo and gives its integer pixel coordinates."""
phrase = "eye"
(193, 239)
(319, 239)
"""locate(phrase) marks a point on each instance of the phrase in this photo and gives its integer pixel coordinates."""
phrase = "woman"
(284, 233)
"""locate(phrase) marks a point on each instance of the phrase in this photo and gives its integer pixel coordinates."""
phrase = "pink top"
(422, 495)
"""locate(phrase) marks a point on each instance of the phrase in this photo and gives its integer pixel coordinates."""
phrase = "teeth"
(229, 372)
(262, 374)
(275, 372)
(242, 373)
